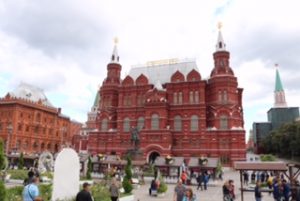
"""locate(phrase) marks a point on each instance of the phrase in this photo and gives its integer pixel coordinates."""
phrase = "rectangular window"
(196, 98)
(225, 98)
(180, 98)
(223, 122)
(175, 98)
(191, 97)
(20, 127)
(36, 130)
(27, 128)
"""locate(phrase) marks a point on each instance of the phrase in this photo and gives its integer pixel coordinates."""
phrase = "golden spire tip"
(220, 25)
(116, 40)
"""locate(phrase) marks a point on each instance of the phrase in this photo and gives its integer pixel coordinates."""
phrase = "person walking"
(226, 192)
(114, 190)
(231, 189)
(257, 191)
(276, 192)
(205, 180)
(286, 190)
(31, 191)
(253, 177)
(246, 178)
(30, 177)
(189, 196)
(183, 177)
(179, 191)
(85, 194)
(200, 181)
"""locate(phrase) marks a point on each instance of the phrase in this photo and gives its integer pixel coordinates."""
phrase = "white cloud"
(64, 47)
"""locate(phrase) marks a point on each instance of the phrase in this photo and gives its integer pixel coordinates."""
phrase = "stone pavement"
(213, 193)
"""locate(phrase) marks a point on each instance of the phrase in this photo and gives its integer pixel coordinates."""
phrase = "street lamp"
(9, 132)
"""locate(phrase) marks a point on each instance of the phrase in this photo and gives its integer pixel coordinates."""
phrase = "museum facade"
(175, 110)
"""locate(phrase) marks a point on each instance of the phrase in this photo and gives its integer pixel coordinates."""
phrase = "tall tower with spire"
(279, 95)
(108, 99)
(224, 104)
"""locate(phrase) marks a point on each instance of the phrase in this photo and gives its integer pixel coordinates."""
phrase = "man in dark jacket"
(85, 194)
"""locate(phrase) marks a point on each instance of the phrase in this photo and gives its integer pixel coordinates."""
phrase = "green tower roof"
(97, 98)
(278, 83)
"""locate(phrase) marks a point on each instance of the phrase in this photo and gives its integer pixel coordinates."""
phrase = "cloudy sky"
(64, 46)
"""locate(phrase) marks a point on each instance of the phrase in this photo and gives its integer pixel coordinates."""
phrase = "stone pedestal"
(135, 154)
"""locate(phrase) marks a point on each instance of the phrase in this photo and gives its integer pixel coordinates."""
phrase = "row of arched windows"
(194, 123)
(35, 145)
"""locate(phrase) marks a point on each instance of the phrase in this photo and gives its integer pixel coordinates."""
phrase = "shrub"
(127, 185)
(14, 194)
(100, 193)
(162, 187)
(89, 169)
(45, 191)
(21, 162)
(267, 157)
(128, 176)
(17, 174)
(47, 174)
(2, 191)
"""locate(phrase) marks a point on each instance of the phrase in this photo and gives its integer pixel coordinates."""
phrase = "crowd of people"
(277, 185)
(182, 193)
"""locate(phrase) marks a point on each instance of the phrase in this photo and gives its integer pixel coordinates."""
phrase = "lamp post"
(9, 132)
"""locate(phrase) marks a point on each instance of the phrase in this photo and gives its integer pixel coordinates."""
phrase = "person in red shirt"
(183, 177)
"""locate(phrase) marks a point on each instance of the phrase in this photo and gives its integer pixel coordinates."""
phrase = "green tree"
(127, 185)
(21, 162)
(284, 141)
(2, 156)
(89, 169)
(2, 166)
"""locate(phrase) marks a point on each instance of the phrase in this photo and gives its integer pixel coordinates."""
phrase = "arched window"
(194, 123)
(35, 145)
(220, 96)
(196, 99)
(126, 124)
(223, 122)
(140, 123)
(154, 122)
(180, 98)
(42, 146)
(175, 98)
(225, 98)
(177, 123)
(104, 125)
(191, 97)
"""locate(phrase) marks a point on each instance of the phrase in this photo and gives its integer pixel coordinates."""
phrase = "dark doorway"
(152, 157)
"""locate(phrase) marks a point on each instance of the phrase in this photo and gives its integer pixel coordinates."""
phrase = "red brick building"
(177, 112)
(29, 123)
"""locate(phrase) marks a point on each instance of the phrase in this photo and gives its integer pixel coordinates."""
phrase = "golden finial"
(116, 40)
(276, 65)
(220, 25)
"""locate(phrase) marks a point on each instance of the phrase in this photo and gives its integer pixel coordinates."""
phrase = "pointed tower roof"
(278, 83)
(220, 46)
(279, 94)
(96, 101)
(115, 56)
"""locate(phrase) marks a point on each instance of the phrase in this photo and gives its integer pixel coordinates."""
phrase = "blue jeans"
(257, 199)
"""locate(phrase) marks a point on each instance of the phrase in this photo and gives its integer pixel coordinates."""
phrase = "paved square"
(214, 193)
